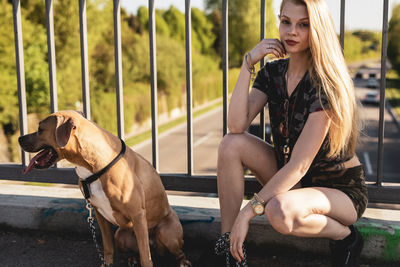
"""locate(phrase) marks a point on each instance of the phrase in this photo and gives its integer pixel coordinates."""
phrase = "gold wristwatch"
(257, 204)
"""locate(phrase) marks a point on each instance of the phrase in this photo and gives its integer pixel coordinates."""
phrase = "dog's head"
(50, 139)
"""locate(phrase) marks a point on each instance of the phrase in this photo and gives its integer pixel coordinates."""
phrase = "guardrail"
(180, 182)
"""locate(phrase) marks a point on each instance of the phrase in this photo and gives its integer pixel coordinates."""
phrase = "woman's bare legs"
(308, 212)
(312, 212)
(236, 151)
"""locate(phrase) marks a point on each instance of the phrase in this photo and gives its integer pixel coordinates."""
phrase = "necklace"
(284, 125)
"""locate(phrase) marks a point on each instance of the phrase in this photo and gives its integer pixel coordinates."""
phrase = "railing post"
(188, 37)
(153, 73)
(84, 59)
(262, 36)
(342, 21)
(225, 66)
(19, 54)
(118, 68)
(382, 93)
(51, 56)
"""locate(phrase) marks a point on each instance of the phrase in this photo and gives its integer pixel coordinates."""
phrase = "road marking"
(201, 140)
(367, 163)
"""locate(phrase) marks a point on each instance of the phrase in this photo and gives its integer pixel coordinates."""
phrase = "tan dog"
(130, 194)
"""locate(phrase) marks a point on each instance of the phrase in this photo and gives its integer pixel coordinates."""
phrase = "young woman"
(313, 182)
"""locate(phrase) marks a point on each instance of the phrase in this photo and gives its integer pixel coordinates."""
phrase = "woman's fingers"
(237, 250)
(234, 252)
(274, 46)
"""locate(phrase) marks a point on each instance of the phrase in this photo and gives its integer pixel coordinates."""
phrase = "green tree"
(36, 73)
(176, 22)
(202, 29)
(244, 25)
(394, 39)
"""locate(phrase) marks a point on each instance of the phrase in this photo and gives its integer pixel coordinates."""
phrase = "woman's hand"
(265, 47)
(239, 231)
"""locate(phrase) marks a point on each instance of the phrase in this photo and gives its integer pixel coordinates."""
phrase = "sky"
(360, 14)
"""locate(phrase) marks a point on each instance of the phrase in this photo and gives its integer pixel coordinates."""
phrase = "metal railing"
(181, 182)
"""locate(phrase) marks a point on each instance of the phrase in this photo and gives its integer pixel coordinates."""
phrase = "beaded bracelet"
(251, 69)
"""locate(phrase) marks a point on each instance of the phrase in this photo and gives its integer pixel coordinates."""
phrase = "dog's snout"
(26, 143)
(20, 140)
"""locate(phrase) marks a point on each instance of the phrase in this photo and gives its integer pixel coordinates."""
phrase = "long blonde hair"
(330, 73)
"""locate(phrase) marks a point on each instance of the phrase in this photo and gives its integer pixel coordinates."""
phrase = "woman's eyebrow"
(306, 18)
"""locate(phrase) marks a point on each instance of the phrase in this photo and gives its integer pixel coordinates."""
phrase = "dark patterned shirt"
(305, 99)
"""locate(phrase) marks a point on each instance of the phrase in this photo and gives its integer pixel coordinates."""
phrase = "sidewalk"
(61, 208)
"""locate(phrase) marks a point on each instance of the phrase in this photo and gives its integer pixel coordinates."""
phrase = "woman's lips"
(291, 42)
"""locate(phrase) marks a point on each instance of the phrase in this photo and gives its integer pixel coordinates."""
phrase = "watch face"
(259, 209)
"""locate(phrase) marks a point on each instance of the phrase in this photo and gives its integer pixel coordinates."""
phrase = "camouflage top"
(305, 99)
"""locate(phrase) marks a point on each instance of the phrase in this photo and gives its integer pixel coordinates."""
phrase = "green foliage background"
(394, 39)
(244, 25)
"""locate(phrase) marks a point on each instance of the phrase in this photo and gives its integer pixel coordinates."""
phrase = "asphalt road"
(207, 134)
(368, 148)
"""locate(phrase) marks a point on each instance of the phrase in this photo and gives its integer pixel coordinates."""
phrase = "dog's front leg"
(142, 237)
(107, 237)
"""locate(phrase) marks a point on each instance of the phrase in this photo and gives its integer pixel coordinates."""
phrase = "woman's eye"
(304, 25)
(285, 21)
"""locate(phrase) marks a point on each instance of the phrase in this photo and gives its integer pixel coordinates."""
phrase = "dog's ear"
(63, 130)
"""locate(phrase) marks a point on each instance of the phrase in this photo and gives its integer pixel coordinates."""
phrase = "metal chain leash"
(92, 229)
(223, 246)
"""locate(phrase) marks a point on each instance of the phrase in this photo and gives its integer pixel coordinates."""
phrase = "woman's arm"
(304, 152)
(244, 107)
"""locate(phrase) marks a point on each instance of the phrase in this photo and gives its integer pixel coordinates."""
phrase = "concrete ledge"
(62, 208)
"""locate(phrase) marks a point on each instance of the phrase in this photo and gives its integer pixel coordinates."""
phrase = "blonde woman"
(313, 182)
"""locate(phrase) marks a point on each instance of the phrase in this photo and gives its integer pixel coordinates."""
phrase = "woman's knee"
(281, 215)
(230, 145)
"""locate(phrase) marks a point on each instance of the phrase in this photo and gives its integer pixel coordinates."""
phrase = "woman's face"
(294, 28)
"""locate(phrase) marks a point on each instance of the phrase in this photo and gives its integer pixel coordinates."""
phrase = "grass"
(166, 126)
(38, 184)
(393, 91)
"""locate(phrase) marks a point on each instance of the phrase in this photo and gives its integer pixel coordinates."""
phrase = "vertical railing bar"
(51, 56)
(262, 36)
(342, 21)
(153, 73)
(382, 92)
(19, 55)
(225, 66)
(118, 68)
(188, 37)
(84, 59)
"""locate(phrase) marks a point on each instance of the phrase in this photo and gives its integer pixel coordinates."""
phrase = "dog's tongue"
(33, 162)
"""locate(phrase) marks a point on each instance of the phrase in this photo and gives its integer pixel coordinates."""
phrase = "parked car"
(359, 75)
(372, 83)
(371, 98)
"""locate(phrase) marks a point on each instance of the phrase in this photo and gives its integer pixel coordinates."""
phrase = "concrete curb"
(63, 209)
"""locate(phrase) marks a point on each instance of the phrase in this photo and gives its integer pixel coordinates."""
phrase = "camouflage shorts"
(350, 181)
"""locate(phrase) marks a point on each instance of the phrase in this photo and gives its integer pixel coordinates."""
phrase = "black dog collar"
(85, 183)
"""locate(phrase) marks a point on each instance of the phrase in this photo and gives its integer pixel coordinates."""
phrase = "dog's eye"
(40, 130)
